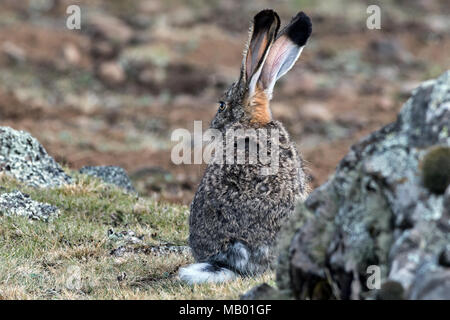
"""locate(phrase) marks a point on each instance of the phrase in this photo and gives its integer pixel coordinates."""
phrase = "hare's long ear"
(285, 51)
(263, 32)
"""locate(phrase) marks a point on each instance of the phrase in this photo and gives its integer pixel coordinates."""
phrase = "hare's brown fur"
(237, 211)
(235, 203)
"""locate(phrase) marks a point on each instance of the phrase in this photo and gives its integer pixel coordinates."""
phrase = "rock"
(72, 54)
(13, 52)
(154, 250)
(444, 257)
(376, 211)
(103, 49)
(391, 290)
(150, 76)
(112, 73)
(124, 237)
(25, 159)
(438, 24)
(261, 292)
(436, 169)
(431, 284)
(388, 51)
(112, 29)
(110, 174)
(122, 276)
(18, 204)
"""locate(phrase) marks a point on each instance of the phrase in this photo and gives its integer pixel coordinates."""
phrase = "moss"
(436, 169)
(322, 291)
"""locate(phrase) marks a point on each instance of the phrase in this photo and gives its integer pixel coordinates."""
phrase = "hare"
(238, 209)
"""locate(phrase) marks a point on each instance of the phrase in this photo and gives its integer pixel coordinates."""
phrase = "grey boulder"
(375, 217)
(25, 159)
(18, 204)
(110, 174)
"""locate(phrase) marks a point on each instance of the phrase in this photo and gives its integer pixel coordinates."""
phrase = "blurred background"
(112, 92)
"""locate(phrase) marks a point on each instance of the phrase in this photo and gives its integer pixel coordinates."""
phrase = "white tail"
(205, 272)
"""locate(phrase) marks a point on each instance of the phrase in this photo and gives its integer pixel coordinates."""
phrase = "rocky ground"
(97, 101)
(91, 236)
(111, 93)
(87, 234)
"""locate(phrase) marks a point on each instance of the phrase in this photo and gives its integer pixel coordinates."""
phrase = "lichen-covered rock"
(18, 204)
(154, 250)
(261, 292)
(110, 174)
(436, 169)
(24, 158)
(124, 237)
(377, 211)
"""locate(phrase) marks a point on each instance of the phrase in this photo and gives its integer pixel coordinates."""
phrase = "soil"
(170, 61)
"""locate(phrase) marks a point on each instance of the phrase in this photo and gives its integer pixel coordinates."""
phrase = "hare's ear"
(263, 32)
(285, 51)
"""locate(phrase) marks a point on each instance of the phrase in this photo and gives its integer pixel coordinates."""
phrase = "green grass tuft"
(70, 258)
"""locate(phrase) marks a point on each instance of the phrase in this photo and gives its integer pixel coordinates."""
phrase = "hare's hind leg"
(243, 260)
(225, 266)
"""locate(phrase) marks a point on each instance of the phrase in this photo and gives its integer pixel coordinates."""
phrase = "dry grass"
(70, 258)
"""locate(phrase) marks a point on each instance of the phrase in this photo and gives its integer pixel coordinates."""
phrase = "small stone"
(384, 103)
(13, 51)
(110, 174)
(19, 204)
(109, 28)
(72, 54)
(124, 237)
(112, 73)
(118, 252)
(122, 276)
(438, 23)
(103, 49)
(261, 292)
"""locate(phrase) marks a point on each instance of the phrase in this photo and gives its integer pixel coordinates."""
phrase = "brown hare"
(238, 211)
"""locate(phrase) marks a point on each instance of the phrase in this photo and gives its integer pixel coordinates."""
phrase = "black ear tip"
(265, 12)
(300, 29)
(265, 17)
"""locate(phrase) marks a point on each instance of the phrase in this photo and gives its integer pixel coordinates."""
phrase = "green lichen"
(436, 169)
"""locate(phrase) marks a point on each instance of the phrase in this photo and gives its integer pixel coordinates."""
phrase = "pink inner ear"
(277, 57)
(255, 53)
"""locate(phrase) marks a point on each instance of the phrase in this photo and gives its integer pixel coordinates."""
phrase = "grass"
(70, 257)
